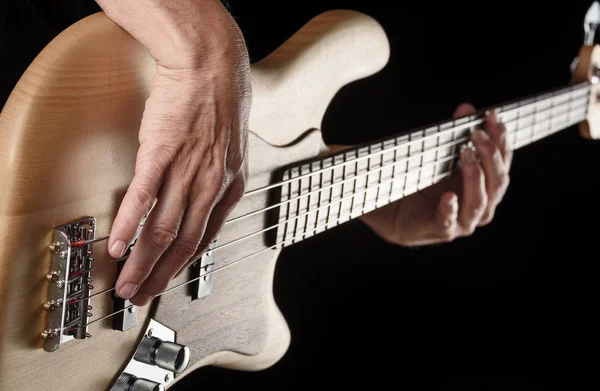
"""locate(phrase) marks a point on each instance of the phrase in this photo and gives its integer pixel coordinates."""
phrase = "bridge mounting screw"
(50, 305)
(55, 247)
(53, 276)
(48, 334)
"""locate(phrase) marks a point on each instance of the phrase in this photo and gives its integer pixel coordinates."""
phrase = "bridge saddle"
(70, 283)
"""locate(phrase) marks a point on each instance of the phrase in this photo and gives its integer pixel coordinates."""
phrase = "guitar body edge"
(69, 140)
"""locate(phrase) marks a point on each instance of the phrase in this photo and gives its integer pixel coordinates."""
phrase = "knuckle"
(469, 228)
(486, 219)
(497, 156)
(142, 270)
(162, 237)
(239, 188)
(447, 236)
(479, 207)
(185, 248)
(142, 198)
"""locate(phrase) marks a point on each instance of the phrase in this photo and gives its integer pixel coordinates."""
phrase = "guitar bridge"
(70, 284)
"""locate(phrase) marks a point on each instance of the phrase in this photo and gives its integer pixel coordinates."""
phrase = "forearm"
(177, 33)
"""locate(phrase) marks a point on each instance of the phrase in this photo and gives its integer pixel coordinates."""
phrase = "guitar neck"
(325, 192)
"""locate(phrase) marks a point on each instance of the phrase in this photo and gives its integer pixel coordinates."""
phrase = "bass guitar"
(68, 143)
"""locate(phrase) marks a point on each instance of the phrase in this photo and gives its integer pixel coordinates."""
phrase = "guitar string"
(366, 173)
(351, 195)
(531, 138)
(421, 140)
(583, 86)
(478, 120)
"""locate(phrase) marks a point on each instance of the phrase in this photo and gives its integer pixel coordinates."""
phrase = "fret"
(284, 211)
(402, 152)
(351, 170)
(295, 210)
(394, 160)
(365, 196)
(312, 205)
(374, 166)
(413, 172)
(386, 171)
(327, 197)
(339, 175)
(330, 191)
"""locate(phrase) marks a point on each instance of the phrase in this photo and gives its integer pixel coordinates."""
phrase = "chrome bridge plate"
(67, 307)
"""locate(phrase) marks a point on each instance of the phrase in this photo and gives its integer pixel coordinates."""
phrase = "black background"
(509, 307)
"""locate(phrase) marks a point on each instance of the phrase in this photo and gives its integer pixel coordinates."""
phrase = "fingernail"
(119, 248)
(128, 290)
(468, 156)
(452, 202)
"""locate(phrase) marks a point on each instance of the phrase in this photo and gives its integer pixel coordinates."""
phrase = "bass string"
(478, 120)
(237, 240)
(333, 184)
(325, 226)
(221, 268)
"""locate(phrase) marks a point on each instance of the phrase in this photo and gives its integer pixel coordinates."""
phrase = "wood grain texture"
(588, 58)
(303, 75)
(69, 137)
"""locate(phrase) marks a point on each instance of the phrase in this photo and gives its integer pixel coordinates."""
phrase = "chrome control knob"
(164, 354)
(129, 382)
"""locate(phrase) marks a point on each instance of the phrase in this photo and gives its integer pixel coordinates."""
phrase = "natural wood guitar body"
(68, 137)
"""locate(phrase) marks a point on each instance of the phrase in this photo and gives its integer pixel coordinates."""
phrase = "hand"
(192, 154)
(457, 205)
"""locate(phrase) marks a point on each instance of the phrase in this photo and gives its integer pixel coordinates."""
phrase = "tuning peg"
(590, 24)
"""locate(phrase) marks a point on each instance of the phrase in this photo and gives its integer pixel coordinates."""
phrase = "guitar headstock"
(586, 67)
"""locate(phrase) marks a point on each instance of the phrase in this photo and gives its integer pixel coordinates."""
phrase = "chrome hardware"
(52, 305)
(69, 284)
(53, 276)
(590, 24)
(126, 313)
(128, 382)
(155, 361)
(203, 285)
(164, 354)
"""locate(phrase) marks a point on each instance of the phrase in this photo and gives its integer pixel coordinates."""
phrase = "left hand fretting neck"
(326, 192)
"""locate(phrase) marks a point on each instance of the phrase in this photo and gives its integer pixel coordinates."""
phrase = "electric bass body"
(68, 136)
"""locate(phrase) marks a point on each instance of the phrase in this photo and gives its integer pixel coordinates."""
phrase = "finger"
(446, 217)
(191, 237)
(496, 177)
(463, 109)
(137, 202)
(474, 193)
(497, 131)
(217, 219)
(160, 230)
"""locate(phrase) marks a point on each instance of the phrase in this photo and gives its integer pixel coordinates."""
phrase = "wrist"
(179, 34)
